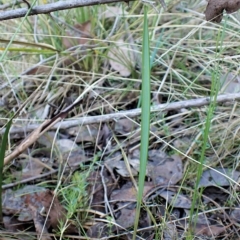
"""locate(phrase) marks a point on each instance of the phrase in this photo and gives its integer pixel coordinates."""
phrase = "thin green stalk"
(196, 194)
(145, 118)
(2, 155)
(214, 93)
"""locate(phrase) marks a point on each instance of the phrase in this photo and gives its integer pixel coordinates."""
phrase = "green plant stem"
(214, 93)
(145, 118)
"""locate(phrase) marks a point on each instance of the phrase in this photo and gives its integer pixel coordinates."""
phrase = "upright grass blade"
(2, 155)
(215, 86)
(145, 118)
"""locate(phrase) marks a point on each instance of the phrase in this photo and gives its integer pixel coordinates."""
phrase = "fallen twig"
(199, 102)
(52, 7)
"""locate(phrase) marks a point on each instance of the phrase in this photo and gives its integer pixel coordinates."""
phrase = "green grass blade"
(215, 86)
(36, 45)
(2, 155)
(29, 50)
(145, 118)
(15, 33)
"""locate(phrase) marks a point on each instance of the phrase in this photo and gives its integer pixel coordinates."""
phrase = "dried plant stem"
(51, 7)
(65, 124)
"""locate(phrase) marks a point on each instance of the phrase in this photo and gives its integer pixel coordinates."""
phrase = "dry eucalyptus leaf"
(152, 154)
(165, 170)
(16, 202)
(129, 193)
(126, 215)
(177, 200)
(213, 178)
(86, 133)
(161, 168)
(66, 148)
(56, 211)
(70, 151)
(121, 58)
(120, 167)
(75, 156)
(30, 168)
(215, 8)
(80, 37)
(125, 126)
(209, 230)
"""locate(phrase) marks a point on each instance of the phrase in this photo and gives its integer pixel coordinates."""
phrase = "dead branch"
(52, 7)
(199, 102)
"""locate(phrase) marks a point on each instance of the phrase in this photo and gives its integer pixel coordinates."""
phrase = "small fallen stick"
(55, 123)
(198, 102)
